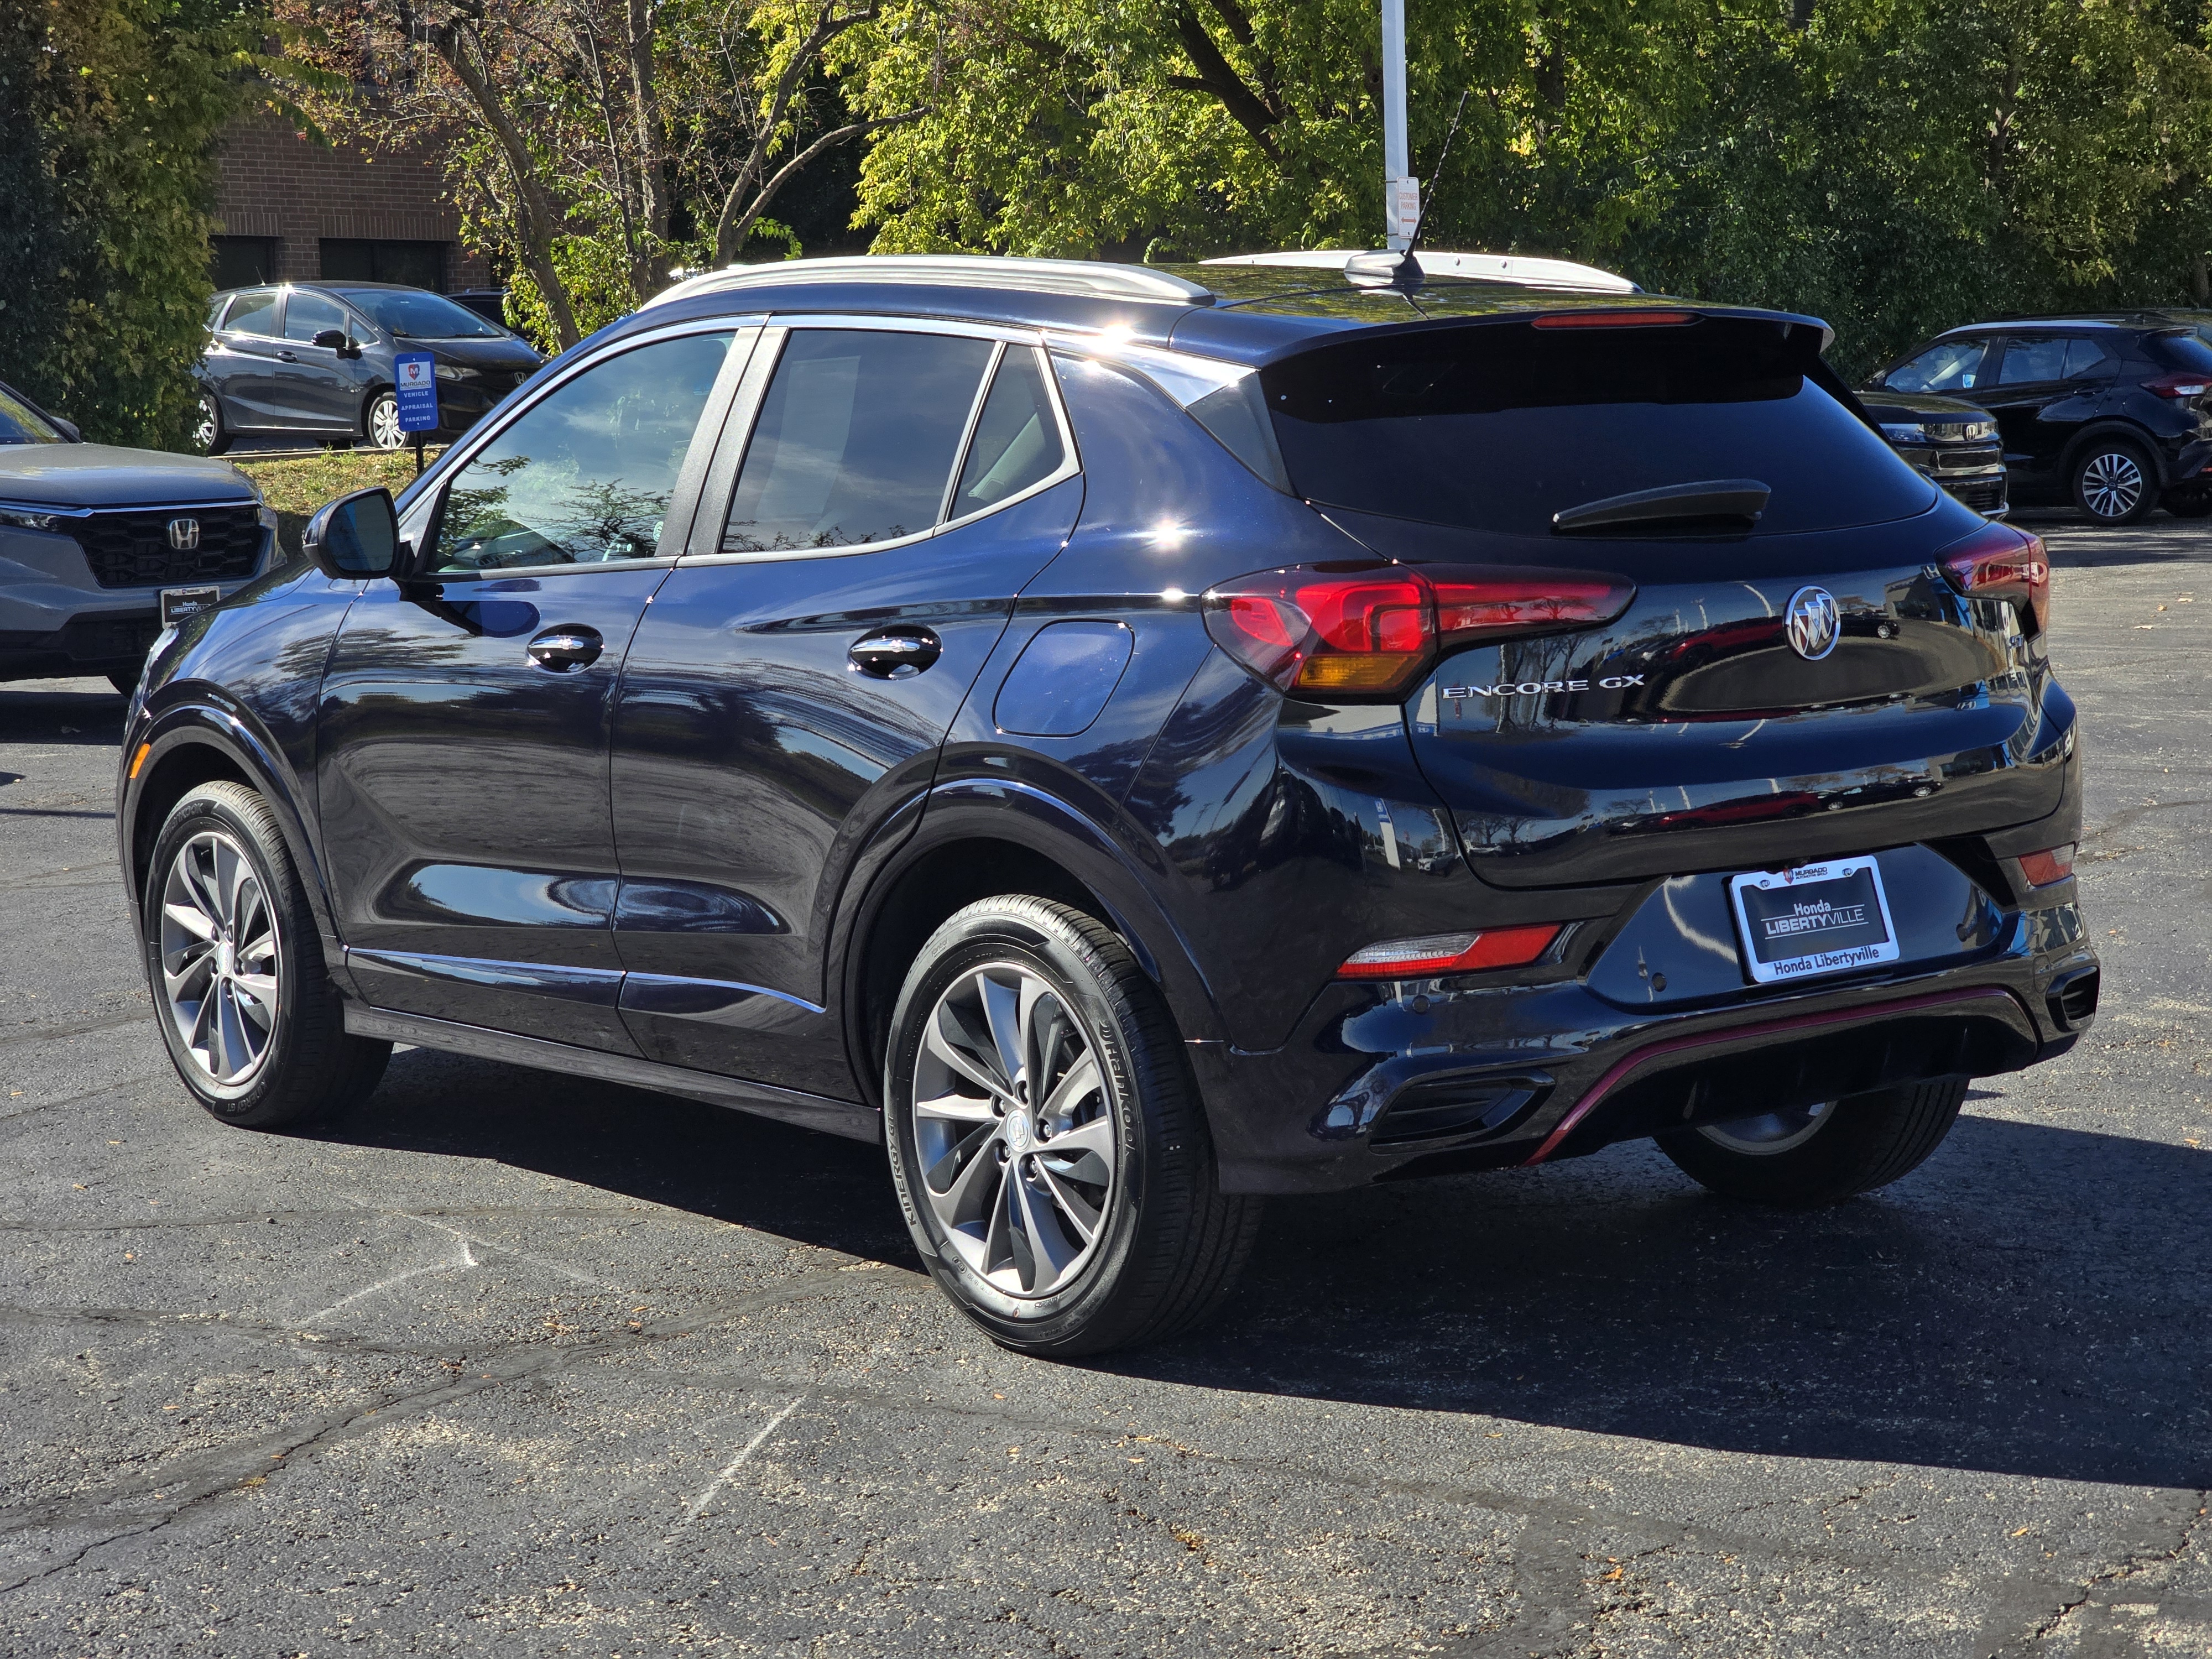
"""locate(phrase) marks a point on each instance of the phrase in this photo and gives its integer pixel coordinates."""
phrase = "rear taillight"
(1613, 319)
(1364, 633)
(1451, 953)
(1999, 562)
(2053, 864)
(2179, 385)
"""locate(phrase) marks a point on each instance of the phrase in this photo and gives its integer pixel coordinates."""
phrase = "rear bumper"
(1391, 1081)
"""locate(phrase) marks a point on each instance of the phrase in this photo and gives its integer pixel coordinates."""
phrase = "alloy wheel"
(209, 427)
(384, 428)
(219, 958)
(1015, 1130)
(1766, 1134)
(2112, 485)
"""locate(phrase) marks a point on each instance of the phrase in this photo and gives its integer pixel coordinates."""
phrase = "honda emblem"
(184, 534)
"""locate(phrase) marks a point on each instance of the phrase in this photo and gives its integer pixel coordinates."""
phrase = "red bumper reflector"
(2043, 868)
(1436, 954)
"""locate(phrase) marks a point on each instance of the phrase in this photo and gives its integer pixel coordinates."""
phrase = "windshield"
(20, 423)
(411, 313)
(1500, 426)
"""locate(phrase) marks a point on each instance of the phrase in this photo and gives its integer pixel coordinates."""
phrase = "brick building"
(289, 209)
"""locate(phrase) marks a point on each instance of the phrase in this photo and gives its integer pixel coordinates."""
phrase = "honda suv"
(2112, 414)
(1135, 740)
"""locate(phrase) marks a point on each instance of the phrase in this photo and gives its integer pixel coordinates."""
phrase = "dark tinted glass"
(1950, 366)
(1498, 427)
(2032, 357)
(252, 314)
(408, 314)
(856, 440)
(306, 315)
(1017, 437)
(20, 423)
(2186, 352)
(584, 475)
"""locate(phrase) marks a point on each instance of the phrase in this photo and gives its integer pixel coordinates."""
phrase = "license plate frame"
(179, 603)
(1813, 921)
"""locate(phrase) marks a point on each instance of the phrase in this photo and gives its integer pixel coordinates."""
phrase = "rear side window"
(856, 440)
(1498, 427)
(253, 313)
(2185, 351)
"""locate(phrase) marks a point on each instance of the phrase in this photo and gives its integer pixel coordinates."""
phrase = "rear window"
(2183, 350)
(1498, 427)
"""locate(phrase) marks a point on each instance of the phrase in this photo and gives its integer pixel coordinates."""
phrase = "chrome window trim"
(742, 419)
(424, 514)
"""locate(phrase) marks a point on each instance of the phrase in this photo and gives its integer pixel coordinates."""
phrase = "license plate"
(179, 603)
(1821, 919)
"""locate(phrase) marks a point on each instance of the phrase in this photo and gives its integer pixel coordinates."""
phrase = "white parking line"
(736, 1463)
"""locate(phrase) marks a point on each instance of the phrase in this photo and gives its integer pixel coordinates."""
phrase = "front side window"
(584, 476)
(253, 313)
(1951, 366)
(309, 314)
(856, 440)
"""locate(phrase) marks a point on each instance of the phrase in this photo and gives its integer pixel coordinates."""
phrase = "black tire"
(1165, 1244)
(211, 437)
(2114, 481)
(1852, 1146)
(379, 421)
(2190, 506)
(308, 1066)
(127, 684)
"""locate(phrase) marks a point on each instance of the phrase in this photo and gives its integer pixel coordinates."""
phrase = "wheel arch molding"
(190, 744)
(982, 836)
(2100, 431)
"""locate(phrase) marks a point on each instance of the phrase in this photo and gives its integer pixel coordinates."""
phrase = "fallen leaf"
(2022, 1533)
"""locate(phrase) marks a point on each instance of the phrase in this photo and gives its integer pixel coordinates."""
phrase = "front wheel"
(244, 1000)
(2113, 482)
(1047, 1140)
(382, 422)
(207, 434)
(1802, 1157)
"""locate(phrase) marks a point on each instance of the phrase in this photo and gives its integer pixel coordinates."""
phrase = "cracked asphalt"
(509, 1363)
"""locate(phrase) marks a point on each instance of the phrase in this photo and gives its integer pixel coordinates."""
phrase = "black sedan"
(1951, 442)
(317, 362)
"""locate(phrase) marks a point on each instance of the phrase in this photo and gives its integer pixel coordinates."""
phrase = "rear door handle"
(565, 650)
(895, 653)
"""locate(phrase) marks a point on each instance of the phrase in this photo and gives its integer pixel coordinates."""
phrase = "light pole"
(1401, 191)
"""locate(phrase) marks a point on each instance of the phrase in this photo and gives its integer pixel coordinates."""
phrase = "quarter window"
(1951, 366)
(2086, 358)
(856, 440)
(253, 313)
(1016, 439)
(584, 475)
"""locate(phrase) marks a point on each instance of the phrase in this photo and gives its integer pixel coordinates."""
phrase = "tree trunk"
(651, 147)
(2200, 278)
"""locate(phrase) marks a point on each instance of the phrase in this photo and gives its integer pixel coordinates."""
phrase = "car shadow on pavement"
(2032, 1302)
(36, 711)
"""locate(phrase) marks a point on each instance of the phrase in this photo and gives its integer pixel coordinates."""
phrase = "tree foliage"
(113, 109)
(1892, 164)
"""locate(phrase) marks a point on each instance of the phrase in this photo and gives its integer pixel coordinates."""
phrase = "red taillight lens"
(1999, 562)
(2043, 868)
(2179, 385)
(1451, 953)
(1365, 633)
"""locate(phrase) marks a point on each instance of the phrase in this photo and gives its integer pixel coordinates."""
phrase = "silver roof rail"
(1519, 270)
(1094, 279)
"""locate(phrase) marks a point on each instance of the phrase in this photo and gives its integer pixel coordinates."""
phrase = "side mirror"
(67, 428)
(356, 535)
(332, 339)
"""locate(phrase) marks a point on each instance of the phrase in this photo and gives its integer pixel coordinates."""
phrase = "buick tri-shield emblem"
(1811, 622)
(184, 534)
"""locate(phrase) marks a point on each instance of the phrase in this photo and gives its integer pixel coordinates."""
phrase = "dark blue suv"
(1135, 740)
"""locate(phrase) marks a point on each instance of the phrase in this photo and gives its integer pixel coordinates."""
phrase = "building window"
(244, 261)
(416, 264)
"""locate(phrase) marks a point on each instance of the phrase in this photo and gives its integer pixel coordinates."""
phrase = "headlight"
(24, 518)
(1904, 432)
(455, 372)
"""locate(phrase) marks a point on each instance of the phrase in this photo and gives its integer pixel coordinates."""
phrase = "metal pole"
(1397, 186)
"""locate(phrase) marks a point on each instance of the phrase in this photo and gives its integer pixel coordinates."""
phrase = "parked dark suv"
(316, 361)
(1134, 746)
(2111, 414)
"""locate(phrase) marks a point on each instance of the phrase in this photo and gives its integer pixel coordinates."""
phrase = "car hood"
(1886, 405)
(103, 474)
(477, 354)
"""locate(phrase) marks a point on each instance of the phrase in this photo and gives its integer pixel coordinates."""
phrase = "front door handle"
(895, 653)
(288, 356)
(566, 650)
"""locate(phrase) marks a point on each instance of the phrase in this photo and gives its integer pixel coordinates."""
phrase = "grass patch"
(295, 486)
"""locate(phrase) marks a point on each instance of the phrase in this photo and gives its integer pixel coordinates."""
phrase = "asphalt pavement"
(509, 1363)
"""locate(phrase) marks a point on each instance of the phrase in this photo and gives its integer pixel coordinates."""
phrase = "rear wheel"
(2114, 483)
(380, 422)
(207, 434)
(245, 1005)
(1047, 1140)
(1804, 1157)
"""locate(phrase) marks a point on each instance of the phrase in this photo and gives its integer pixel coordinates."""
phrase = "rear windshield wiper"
(1739, 501)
